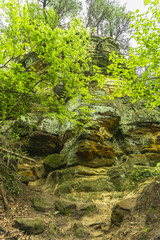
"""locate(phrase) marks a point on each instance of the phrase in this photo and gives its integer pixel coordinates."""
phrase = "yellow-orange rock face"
(95, 154)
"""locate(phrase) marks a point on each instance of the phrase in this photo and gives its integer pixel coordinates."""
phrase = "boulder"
(119, 176)
(30, 225)
(43, 204)
(122, 209)
(65, 207)
(138, 159)
(53, 162)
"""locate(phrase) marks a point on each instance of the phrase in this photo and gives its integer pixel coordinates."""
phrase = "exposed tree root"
(6, 204)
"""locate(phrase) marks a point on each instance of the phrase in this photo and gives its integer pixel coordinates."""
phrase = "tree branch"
(12, 58)
(17, 155)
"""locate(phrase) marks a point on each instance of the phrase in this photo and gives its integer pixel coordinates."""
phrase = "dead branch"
(11, 237)
(17, 155)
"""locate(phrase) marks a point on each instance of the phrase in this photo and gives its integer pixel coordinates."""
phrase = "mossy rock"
(30, 225)
(90, 184)
(53, 162)
(42, 204)
(65, 207)
(88, 207)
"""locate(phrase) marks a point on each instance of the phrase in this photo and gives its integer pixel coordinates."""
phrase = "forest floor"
(22, 207)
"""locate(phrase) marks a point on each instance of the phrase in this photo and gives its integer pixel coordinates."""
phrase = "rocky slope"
(101, 182)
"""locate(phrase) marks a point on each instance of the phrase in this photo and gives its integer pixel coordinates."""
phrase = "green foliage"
(55, 13)
(56, 212)
(36, 12)
(138, 174)
(158, 165)
(12, 184)
(8, 174)
(36, 59)
(146, 2)
(146, 56)
(64, 9)
(153, 209)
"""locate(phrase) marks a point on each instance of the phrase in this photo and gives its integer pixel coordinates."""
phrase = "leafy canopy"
(146, 56)
(65, 9)
(146, 2)
(109, 19)
(35, 59)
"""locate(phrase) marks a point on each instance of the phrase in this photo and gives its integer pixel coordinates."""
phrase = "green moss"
(89, 207)
(53, 162)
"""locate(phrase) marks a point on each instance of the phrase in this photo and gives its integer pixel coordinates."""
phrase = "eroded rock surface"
(111, 163)
(106, 183)
(102, 182)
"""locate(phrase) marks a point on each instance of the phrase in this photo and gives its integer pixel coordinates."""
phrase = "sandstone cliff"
(101, 182)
